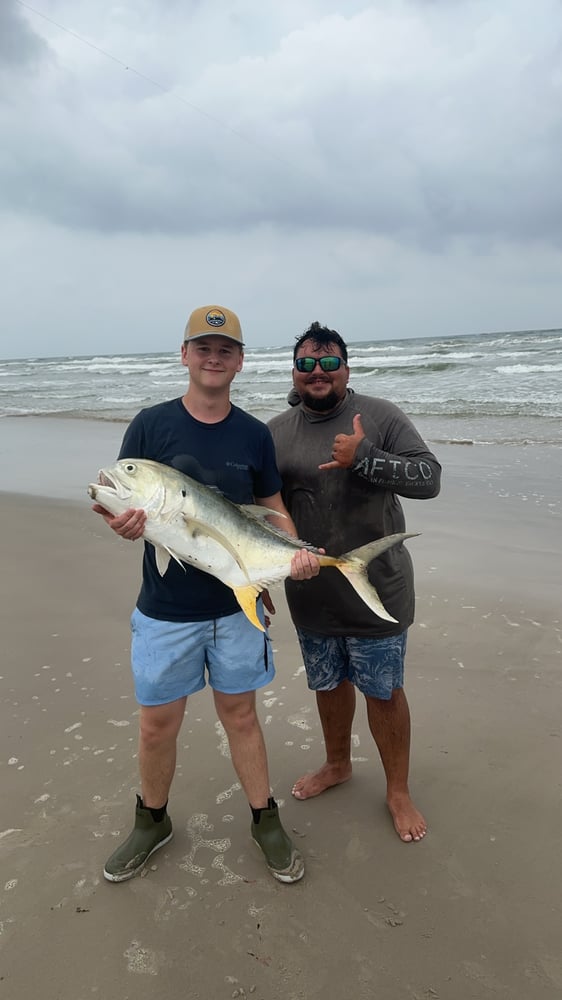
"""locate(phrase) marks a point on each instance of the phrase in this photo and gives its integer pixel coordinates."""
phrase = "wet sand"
(473, 911)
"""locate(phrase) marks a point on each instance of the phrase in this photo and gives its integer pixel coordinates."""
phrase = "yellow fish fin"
(246, 597)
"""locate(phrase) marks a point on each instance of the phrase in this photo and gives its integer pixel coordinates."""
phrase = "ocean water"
(503, 388)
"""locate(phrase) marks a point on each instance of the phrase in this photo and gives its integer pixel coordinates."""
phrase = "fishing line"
(160, 86)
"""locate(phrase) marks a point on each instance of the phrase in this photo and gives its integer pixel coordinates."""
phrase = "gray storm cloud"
(20, 46)
(419, 121)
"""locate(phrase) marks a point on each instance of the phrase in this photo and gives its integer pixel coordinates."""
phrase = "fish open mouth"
(104, 481)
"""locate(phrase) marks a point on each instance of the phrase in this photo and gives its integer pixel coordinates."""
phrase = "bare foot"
(318, 781)
(408, 821)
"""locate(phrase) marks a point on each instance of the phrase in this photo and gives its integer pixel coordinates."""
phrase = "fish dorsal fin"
(246, 597)
(195, 525)
(256, 510)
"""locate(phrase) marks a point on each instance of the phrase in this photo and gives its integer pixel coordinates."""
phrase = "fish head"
(130, 482)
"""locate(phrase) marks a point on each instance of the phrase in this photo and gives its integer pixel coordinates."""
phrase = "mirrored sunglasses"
(329, 363)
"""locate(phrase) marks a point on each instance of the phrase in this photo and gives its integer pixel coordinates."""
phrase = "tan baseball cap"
(213, 319)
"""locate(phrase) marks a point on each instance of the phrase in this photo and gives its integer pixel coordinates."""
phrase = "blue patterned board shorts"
(169, 659)
(374, 666)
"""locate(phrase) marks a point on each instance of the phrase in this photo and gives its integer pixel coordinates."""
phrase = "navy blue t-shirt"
(238, 457)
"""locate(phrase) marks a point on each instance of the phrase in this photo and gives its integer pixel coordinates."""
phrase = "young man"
(370, 454)
(187, 621)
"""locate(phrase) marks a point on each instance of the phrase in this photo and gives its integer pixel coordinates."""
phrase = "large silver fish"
(195, 524)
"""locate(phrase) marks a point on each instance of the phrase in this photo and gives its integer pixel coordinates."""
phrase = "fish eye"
(130, 467)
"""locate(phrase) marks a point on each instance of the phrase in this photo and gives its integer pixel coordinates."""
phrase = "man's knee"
(237, 712)
(392, 701)
(160, 723)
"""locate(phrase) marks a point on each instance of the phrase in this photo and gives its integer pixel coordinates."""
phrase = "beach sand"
(473, 911)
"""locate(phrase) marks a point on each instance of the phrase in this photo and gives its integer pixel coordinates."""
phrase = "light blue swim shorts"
(169, 659)
(374, 666)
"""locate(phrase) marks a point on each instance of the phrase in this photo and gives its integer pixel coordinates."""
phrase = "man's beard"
(322, 405)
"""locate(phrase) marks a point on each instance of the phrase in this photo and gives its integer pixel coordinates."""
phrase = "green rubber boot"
(285, 863)
(146, 837)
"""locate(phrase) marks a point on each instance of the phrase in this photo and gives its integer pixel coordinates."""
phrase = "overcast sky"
(389, 168)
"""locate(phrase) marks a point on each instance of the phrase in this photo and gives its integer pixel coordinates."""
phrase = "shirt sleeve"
(400, 462)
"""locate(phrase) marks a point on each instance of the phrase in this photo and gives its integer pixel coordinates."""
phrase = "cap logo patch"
(215, 318)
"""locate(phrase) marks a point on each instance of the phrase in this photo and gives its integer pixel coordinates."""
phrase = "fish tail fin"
(373, 549)
(354, 564)
(356, 574)
(246, 597)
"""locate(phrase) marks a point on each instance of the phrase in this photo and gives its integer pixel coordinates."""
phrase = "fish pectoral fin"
(246, 597)
(205, 529)
(260, 513)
